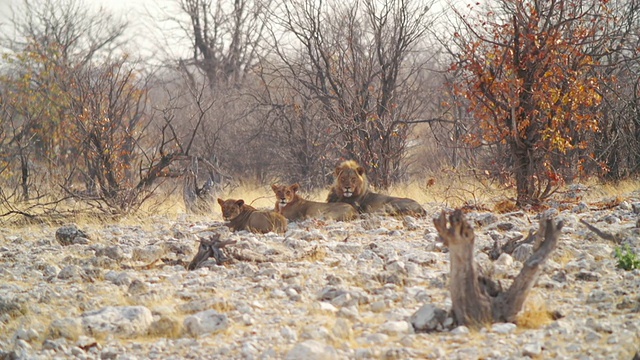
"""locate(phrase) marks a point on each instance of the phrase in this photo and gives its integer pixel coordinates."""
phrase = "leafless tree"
(618, 142)
(355, 60)
(49, 40)
(80, 32)
(227, 37)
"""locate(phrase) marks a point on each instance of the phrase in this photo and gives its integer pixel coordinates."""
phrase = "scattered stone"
(485, 219)
(67, 234)
(503, 328)
(532, 350)
(396, 328)
(112, 252)
(460, 330)
(123, 321)
(585, 275)
(342, 329)
(428, 318)
(358, 298)
(312, 350)
(504, 260)
(148, 253)
(205, 323)
(71, 272)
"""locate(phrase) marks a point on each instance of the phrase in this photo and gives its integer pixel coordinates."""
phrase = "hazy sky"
(143, 17)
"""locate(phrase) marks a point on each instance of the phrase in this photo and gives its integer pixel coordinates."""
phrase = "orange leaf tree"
(528, 79)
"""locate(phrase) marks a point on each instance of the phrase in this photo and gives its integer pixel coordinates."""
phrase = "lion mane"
(352, 187)
(241, 216)
(294, 207)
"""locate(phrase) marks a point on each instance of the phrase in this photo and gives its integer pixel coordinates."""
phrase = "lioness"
(351, 186)
(241, 216)
(294, 207)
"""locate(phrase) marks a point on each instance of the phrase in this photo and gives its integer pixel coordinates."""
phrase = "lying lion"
(351, 187)
(294, 207)
(241, 216)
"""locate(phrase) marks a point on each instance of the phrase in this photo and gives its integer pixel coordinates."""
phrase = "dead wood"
(211, 247)
(603, 234)
(511, 245)
(476, 300)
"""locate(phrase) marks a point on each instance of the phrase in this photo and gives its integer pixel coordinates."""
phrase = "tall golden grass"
(445, 189)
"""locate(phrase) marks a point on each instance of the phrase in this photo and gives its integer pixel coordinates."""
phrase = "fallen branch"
(603, 234)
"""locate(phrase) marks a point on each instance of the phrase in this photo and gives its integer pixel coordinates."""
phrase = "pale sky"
(138, 13)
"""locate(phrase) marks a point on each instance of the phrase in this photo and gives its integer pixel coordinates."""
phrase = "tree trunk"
(523, 173)
(476, 302)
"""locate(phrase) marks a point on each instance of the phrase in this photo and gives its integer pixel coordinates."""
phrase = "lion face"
(230, 208)
(350, 180)
(285, 194)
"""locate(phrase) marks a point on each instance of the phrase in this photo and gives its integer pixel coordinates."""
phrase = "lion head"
(350, 179)
(231, 208)
(285, 194)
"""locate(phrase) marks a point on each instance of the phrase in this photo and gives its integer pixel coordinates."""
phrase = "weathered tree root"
(475, 301)
(211, 247)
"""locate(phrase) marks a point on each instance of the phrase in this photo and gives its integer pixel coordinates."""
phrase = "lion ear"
(338, 170)
(274, 187)
(295, 187)
(360, 170)
(220, 201)
(240, 202)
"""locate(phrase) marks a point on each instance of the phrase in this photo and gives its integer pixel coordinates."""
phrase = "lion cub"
(294, 207)
(241, 216)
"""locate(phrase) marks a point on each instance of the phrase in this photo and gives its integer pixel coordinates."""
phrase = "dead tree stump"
(476, 301)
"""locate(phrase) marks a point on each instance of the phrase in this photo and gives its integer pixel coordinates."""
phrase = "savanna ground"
(335, 297)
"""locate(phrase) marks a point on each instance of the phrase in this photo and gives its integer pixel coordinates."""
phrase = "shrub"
(627, 259)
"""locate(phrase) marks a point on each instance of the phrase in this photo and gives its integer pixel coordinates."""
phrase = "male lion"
(241, 216)
(294, 207)
(351, 187)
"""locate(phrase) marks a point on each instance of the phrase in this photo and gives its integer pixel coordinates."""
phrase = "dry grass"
(535, 313)
(446, 188)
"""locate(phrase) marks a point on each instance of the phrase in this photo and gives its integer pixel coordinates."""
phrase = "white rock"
(124, 321)
(205, 323)
(312, 350)
(460, 330)
(288, 333)
(503, 328)
(148, 253)
(427, 318)
(504, 260)
(342, 329)
(373, 339)
(532, 350)
(396, 328)
(325, 307)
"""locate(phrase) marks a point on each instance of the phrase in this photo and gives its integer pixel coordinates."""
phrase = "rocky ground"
(372, 288)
